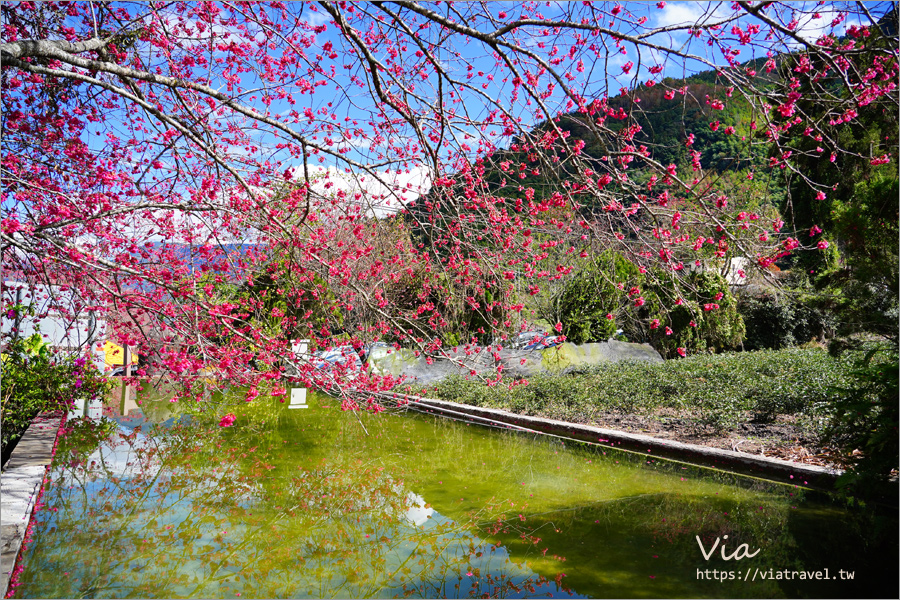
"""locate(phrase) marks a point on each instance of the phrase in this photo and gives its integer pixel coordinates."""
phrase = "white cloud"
(192, 34)
(691, 13)
(811, 28)
(678, 13)
(357, 143)
(380, 194)
(316, 17)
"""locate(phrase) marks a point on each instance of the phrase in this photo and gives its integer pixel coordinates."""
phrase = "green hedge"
(720, 390)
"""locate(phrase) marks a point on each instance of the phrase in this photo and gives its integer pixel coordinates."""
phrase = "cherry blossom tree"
(218, 179)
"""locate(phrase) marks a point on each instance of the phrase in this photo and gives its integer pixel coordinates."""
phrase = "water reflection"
(418, 512)
(148, 503)
(92, 408)
(183, 515)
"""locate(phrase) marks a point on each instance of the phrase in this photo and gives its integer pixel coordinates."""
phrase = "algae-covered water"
(322, 503)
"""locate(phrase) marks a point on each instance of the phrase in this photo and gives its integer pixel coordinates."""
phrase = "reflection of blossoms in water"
(196, 494)
(321, 508)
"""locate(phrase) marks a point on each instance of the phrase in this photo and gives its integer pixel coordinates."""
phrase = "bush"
(582, 307)
(707, 320)
(722, 390)
(776, 322)
(35, 381)
(865, 418)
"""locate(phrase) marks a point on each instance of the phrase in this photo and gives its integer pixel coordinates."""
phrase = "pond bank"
(20, 488)
(769, 403)
(766, 467)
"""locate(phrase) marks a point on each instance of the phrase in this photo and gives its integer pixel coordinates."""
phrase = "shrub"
(775, 322)
(35, 381)
(582, 307)
(722, 390)
(865, 418)
(706, 320)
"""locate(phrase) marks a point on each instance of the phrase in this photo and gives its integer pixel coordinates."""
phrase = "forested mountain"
(709, 134)
(693, 123)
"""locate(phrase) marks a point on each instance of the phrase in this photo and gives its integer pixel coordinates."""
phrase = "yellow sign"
(115, 355)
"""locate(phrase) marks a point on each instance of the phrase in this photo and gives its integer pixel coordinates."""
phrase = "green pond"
(322, 503)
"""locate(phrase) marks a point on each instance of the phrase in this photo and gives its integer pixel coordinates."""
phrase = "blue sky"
(349, 107)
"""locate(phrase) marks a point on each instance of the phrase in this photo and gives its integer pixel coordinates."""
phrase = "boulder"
(560, 359)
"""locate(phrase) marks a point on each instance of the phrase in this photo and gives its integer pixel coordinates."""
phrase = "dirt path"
(782, 438)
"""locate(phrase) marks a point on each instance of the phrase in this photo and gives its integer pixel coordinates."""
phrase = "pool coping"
(20, 486)
(763, 467)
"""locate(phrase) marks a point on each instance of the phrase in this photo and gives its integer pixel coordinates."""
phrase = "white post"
(298, 395)
(127, 360)
(298, 398)
(127, 373)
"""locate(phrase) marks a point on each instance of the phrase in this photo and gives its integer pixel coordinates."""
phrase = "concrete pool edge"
(20, 486)
(763, 467)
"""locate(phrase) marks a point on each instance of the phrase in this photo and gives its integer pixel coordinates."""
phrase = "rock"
(516, 363)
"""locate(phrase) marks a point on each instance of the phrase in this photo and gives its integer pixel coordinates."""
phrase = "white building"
(56, 314)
